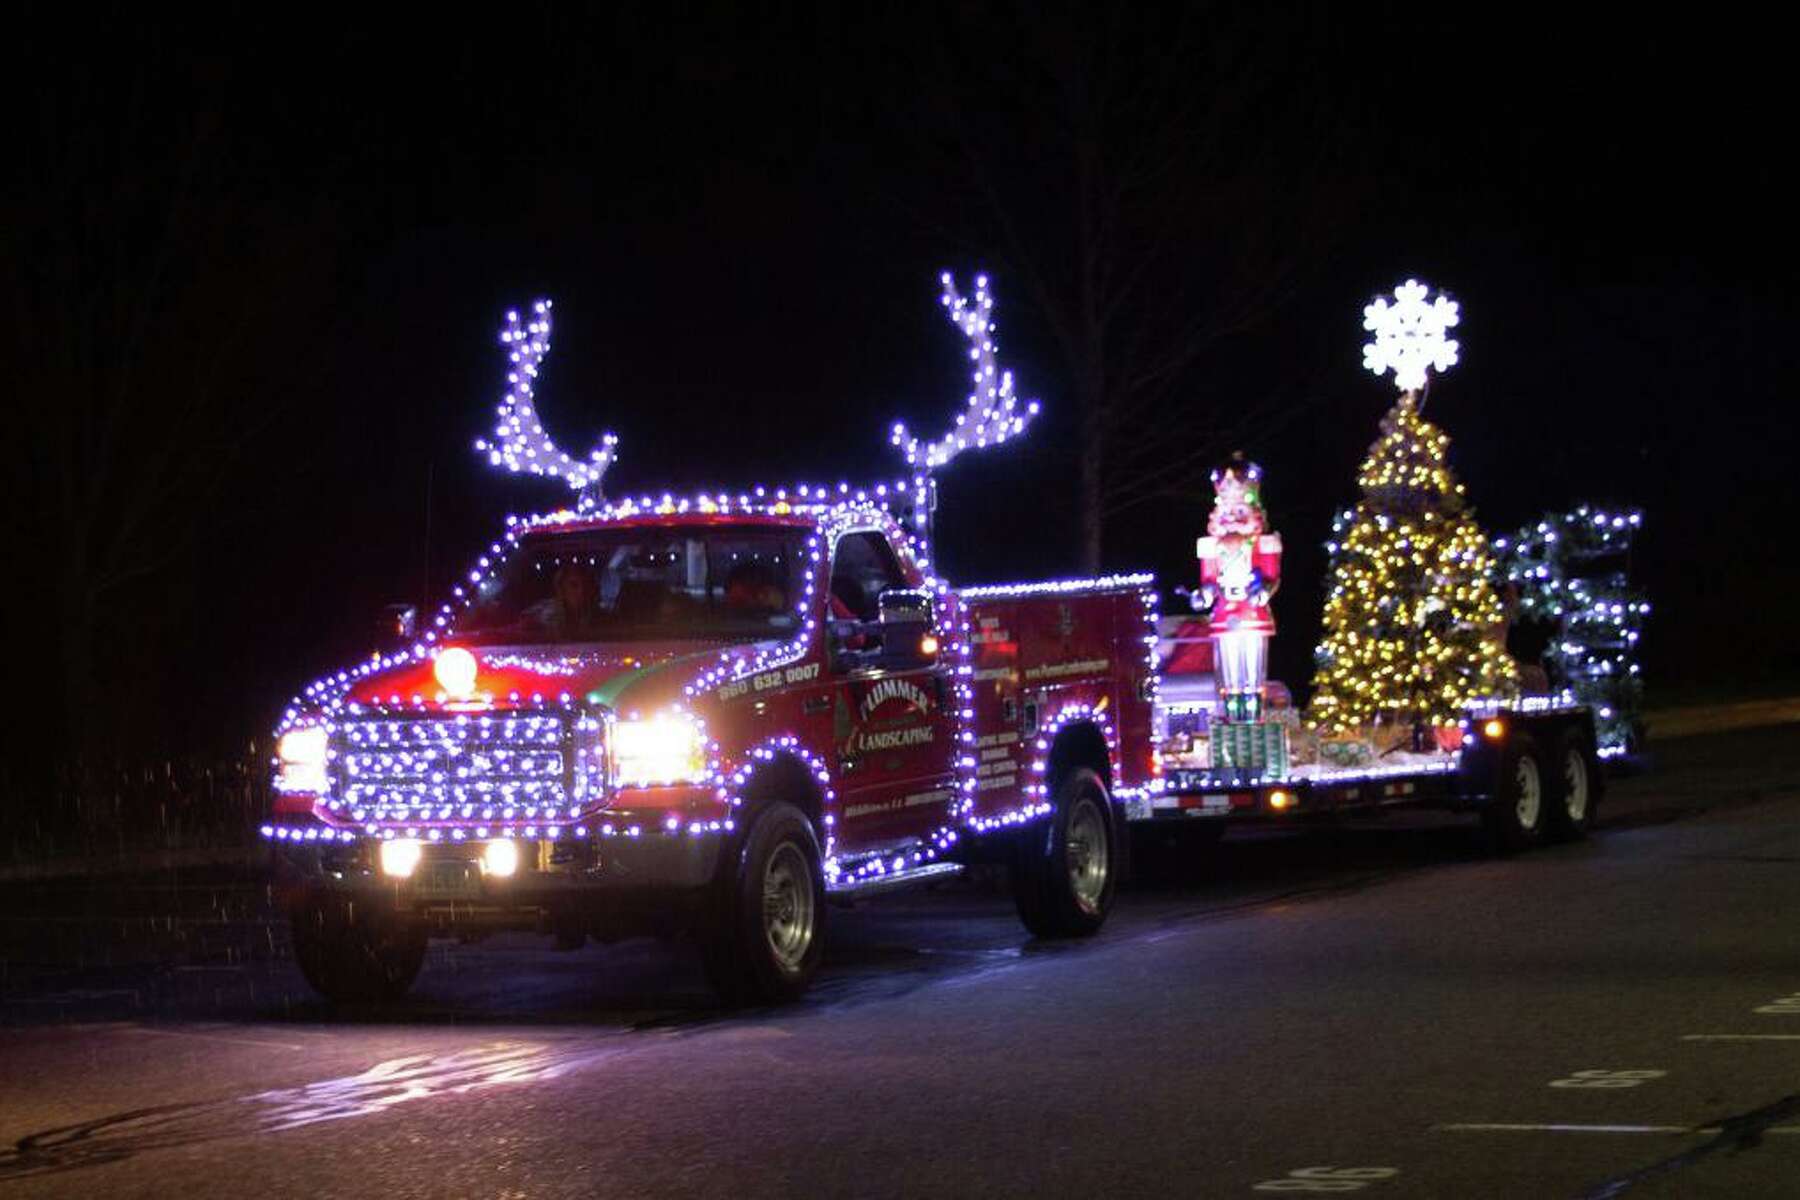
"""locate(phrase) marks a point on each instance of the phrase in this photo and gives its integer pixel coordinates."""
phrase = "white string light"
(520, 441)
(992, 414)
(1570, 569)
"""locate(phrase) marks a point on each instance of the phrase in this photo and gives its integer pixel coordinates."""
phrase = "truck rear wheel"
(1515, 816)
(351, 954)
(1577, 790)
(765, 938)
(1067, 868)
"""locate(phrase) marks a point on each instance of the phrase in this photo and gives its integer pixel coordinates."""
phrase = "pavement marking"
(1786, 1006)
(417, 1076)
(1740, 1037)
(1327, 1179)
(73, 996)
(1607, 1079)
(232, 968)
(1558, 1127)
(210, 1037)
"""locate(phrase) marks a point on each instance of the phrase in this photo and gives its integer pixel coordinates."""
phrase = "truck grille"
(466, 768)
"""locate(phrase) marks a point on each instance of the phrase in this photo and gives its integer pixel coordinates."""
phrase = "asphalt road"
(1372, 1009)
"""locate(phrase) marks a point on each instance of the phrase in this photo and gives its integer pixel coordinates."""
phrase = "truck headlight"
(400, 857)
(500, 858)
(666, 748)
(302, 752)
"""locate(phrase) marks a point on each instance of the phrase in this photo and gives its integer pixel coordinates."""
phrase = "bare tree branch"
(1133, 172)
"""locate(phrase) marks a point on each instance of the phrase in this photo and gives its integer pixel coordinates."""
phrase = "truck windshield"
(718, 583)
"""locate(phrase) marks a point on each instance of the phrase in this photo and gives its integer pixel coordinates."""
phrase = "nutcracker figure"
(1240, 567)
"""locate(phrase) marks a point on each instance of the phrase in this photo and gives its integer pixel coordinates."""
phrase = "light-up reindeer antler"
(520, 442)
(993, 414)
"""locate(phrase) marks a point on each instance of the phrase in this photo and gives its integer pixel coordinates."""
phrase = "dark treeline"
(253, 274)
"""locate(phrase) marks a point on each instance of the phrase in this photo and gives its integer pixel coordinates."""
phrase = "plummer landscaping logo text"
(903, 690)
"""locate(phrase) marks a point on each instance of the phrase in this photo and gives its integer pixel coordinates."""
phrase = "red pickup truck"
(711, 718)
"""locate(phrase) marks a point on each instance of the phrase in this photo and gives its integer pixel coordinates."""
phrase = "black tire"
(1576, 786)
(1054, 875)
(755, 954)
(352, 954)
(1512, 822)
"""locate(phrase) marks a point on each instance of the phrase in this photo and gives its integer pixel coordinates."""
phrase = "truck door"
(893, 730)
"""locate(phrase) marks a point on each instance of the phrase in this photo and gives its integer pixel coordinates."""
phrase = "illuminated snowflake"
(1410, 335)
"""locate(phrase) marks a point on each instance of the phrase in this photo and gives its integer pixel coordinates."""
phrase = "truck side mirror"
(903, 606)
(905, 617)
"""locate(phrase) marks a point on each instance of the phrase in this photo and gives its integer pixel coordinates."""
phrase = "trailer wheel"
(352, 954)
(1522, 791)
(765, 938)
(1067, 867)
(1576, 790)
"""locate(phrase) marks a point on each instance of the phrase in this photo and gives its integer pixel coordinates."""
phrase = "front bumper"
(607, 888)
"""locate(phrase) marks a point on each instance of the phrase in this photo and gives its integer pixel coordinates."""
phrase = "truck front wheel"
(1067, 867)
(764, 939)
(351, 954)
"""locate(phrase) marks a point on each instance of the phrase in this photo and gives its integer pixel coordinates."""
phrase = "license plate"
(447, 881)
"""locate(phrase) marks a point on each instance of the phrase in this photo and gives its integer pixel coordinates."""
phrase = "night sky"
(255, 271)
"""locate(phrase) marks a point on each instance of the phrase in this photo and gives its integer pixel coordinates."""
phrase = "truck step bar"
(875, 885)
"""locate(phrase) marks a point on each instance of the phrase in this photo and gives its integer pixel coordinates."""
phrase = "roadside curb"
(1721, 718)
(133, 863)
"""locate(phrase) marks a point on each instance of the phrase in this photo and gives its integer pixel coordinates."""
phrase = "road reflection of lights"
(113, 1137)
(419, 1077)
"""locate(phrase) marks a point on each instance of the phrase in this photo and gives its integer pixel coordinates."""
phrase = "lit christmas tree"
(1571, 570)
(1413, 625)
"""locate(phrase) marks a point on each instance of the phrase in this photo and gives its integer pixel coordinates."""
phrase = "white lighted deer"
(992, 414)
(520, 442)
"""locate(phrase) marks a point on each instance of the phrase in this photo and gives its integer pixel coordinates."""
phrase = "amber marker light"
(1494, 729)
(928, 645)
(1279, 800)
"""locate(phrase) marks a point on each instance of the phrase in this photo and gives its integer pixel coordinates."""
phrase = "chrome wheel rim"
(1575, 785)
(788, 914)
(1089, 862)
(1531, 792)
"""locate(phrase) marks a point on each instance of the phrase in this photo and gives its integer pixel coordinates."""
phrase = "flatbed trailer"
(1529, 769)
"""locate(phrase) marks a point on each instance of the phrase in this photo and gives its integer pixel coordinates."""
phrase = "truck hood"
(625, 678)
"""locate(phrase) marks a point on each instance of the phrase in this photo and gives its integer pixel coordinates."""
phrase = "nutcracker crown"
(1237, 498)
